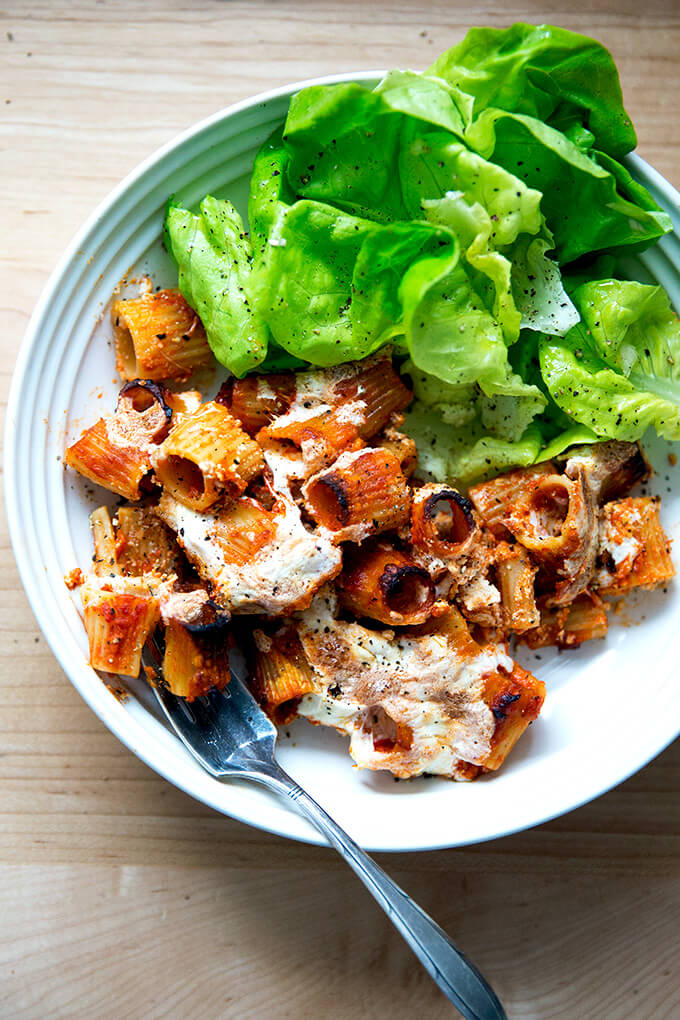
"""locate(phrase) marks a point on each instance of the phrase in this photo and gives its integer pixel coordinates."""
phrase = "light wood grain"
(120, 896)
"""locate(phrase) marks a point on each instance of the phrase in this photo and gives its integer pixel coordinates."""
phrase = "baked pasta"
(374, 600)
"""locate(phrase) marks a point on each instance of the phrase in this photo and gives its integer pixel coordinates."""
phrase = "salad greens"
(213, 255)
(589, 200)
(618, 370)
(557, 76)
(471, 216)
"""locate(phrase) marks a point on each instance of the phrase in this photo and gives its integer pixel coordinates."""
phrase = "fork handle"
(458, 979)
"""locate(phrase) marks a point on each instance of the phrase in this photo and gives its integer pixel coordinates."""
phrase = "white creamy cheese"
(297, 413)
(286, 463)
(479, 593)
(283, 574)
(184, 607)
(424, 684)
(352, 413)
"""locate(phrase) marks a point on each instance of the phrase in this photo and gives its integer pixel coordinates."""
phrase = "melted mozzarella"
(423, 683)
(184, 607)
(283, 574)
(352, 413)
(286, 463)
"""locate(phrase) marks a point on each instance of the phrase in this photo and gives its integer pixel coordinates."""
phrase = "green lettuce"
(342, 143)
(213, 255)
(464, 435)
(538, 290)
(557, 76)
(434, 164)
(449, 332)
(505, 414)
(270, 192)
(427, 98)
(466, 454)
(618, 371)
(520, 285)
(332, 287)
(301, 283)
(588, 205)
(435, 213)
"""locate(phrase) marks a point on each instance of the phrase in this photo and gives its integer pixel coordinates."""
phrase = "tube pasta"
(634, 551)
(105, 557)
(134, 543)
(545, 518)
(206, 456)
(403, 448)
(119, 615)
(362, 494)
(385, 584)
(113, 466)
(196, 659)
(568, 626)
(337, 409)
(515, 574)
(321, 436)
(555, 519)
(427, 699)
(611, 468)
(515, 701)
(115, 452)
(256, 400)
(399, 638)
(378, 387)
(444, 527)
(143, 543)
(493, 499)
(158, 336)
(282, 674)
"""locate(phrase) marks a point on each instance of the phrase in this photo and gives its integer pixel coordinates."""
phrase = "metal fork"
(229, 734)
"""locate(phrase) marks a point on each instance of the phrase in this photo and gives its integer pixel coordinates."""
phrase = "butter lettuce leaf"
(618, 371)
(435, 213)
(212, 252)
(558, 76)
(270, 192)
(386, 256)
(427, 98)
(462, 434)
(343, 143)
(433, 164)
(575, 435)
(467, 454)
(505, 414)
(486, 209)
(449, 332)
(539, 292)
(588, 208)
(301, 283)
(498, 222)
(332, 287)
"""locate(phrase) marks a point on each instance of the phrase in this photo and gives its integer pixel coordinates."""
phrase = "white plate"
(611, 706)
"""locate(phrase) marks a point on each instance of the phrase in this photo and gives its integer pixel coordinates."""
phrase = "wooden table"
(119, 895)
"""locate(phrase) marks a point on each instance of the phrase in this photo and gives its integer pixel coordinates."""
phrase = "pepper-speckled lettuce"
(439, 212)
(618, 371)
